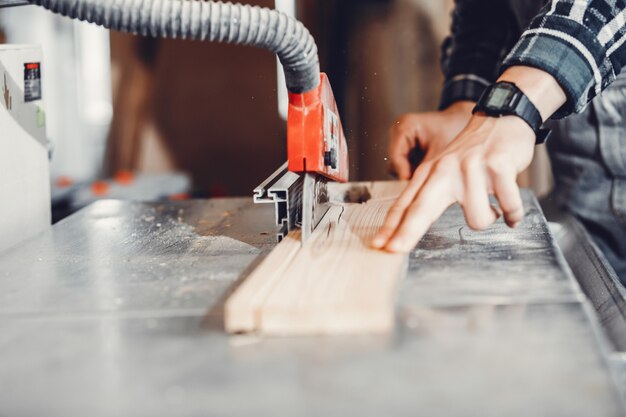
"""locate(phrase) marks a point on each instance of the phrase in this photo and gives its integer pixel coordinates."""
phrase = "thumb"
(404, 138)
(401, 167)
(401, 149)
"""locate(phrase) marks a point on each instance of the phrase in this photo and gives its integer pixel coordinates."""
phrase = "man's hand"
(431, 132)
(485, 158)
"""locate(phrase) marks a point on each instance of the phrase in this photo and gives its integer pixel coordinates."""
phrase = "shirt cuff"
(570, 53)
(463, 87)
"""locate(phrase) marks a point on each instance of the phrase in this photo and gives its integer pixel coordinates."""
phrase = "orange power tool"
(316, 148)
(316, 142)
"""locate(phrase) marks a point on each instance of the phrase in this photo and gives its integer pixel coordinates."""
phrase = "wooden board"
(335, 283)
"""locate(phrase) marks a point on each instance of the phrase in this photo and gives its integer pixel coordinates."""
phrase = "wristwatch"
(506, 99)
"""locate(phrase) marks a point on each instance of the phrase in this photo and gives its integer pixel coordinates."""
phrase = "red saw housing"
(316, 142)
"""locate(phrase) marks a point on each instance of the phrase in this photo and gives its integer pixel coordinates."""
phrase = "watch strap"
(461, 90)
(518, 105)
(527, 111)
(542, 136)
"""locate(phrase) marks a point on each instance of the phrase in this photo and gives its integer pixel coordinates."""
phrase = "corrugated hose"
(208, 21)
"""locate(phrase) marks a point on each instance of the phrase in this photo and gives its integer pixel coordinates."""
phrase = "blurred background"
(140, 118)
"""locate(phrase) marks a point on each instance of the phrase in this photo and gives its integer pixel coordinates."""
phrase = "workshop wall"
(394, 61)
(207, 109)
(211, 110)
(383, 58)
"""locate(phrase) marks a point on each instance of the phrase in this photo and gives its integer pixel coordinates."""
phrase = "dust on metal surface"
(115, 312)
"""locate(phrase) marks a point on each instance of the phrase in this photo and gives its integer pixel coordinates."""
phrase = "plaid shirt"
(582, 43)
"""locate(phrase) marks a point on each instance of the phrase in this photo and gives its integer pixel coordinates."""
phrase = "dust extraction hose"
(210, 21)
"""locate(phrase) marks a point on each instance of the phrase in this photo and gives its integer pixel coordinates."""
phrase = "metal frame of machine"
(24, 161)
(284, 189)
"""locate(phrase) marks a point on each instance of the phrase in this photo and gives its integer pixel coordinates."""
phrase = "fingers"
(433, 199)
(403, 138)
(484, 157)
(436, 186)
(397, 211)
(506, 190)
(479, 214)
(400, 165)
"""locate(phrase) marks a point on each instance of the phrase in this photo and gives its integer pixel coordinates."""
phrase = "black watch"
(505, 99)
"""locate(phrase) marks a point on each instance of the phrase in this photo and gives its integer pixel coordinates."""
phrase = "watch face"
(499, 97)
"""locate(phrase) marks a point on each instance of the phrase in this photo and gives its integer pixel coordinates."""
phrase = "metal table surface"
(116, 312)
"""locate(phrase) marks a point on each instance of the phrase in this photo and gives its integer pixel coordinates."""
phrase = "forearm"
(541, 88)
(471, 55)
(581, 44)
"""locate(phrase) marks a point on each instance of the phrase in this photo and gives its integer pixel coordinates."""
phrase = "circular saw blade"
(315, 203)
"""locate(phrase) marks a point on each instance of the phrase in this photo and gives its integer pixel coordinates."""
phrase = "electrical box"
(24, 165)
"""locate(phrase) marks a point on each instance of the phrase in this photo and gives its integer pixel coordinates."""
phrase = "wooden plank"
(243, 307)
(334, 284)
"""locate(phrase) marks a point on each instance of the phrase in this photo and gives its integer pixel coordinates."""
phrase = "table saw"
(117, 311)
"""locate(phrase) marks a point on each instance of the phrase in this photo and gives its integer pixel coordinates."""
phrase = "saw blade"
(315, 203)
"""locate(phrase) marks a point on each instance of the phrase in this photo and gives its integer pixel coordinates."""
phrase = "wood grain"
(335, 283)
